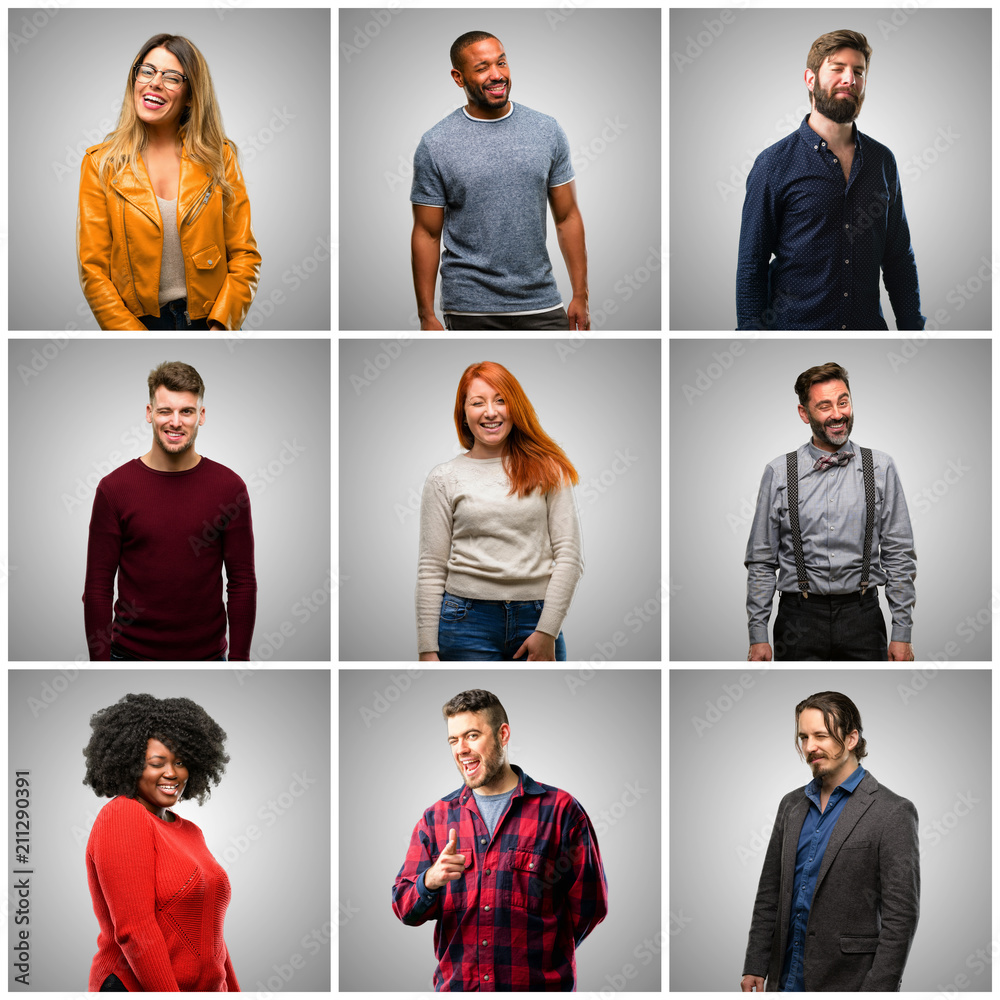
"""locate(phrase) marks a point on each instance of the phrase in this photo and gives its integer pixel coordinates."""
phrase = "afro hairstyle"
(116, 753)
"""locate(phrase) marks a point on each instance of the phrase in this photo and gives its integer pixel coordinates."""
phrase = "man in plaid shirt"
(509, 868)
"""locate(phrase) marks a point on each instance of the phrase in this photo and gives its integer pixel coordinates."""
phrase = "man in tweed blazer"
(839, 893)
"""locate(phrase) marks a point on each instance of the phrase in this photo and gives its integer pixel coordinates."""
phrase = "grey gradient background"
(84, 414)
(278, 727)
(591, 733)
(584, 67)
(928, 736)
(278, 114)
(596, 398)
(927, 405)
(732, 102)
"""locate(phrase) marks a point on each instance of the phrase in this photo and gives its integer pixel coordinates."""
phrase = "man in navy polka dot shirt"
(826, 202)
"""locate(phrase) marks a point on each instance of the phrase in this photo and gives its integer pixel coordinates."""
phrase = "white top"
(478, 542)
(172, 285)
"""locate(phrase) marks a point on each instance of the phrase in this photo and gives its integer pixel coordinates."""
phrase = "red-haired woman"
(500, 550)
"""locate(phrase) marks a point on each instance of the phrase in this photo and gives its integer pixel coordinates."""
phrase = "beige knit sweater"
(480, 543)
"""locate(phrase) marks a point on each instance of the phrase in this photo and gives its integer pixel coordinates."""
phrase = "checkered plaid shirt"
(529, 896)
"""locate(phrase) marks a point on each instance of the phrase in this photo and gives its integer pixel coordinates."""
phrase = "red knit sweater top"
(168, 535)
(160, 899)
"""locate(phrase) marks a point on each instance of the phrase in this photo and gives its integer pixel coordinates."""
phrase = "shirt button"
(482, 840)
(847, 225)
(486, 978)
(487, 906)
(844, 327)
(847, 262)
(531, 864)
(845, 295)
(822, 144)
(485, 943)
(815, 147)
(487, 871)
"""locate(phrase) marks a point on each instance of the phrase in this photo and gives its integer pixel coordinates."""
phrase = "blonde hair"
(200, 128)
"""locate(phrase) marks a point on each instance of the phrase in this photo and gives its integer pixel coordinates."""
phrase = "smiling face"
(176, 417)
(163, 779)
(156, 104)
(839, 88)
(825, 757)
(486, 415)
(830, 414)
(485, 77)
(479, 754)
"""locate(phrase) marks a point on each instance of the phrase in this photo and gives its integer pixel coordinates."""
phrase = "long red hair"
(531, 459)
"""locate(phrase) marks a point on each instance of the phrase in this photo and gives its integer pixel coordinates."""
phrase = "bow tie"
(829, 461)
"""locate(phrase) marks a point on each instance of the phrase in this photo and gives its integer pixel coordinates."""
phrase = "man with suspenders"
(832, 523)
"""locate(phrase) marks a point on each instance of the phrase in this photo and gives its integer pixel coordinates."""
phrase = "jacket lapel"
(138, 191)
(194, 179)
(854, 808)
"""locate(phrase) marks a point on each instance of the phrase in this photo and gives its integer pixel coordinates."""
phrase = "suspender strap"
(792, 458)
(868, 471)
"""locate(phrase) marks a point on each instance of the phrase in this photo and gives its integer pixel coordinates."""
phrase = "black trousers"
(554, 319)
(113, 985)
(831, 627)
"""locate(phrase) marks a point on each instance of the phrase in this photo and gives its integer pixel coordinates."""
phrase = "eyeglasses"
(147, 74)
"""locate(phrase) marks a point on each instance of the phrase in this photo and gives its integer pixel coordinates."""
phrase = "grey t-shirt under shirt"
(491, 807)
(492, 178)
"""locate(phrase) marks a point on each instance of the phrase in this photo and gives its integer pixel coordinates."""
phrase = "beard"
(491, 766)
(841, 110)
(174, 449)
(820, 433)
(484, 101)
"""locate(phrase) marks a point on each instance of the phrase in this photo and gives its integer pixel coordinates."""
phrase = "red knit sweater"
(160, 898)
(167, 536)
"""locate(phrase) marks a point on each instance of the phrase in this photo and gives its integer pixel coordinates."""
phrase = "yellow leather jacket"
(119, 244)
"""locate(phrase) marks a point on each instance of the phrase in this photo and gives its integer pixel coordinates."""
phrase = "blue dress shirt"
(829, 240)
(815, 835)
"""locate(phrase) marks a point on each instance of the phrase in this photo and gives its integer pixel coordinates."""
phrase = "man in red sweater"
(167, 523)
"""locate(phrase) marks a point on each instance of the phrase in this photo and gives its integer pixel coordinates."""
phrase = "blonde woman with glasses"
(164, 240)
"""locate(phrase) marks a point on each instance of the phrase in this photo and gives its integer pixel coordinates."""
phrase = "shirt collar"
(847, 448)
(814, 787)
(814, 139)
(525, 786)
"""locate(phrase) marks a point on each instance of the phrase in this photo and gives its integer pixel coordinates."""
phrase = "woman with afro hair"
(159, 895)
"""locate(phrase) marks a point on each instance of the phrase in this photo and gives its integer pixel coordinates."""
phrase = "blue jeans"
(487, 630)
(118, 654)
(173, 316)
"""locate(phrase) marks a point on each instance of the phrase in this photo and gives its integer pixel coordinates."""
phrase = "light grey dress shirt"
(832, 524)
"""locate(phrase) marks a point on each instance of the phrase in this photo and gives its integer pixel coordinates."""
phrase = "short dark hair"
(821, 373)
(463, 42)
(177, 377)
(485, 703)
(841, 716)
(833, 41)
(116, 753)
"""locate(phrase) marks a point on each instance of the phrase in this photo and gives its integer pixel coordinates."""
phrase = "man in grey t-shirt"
(482, 177)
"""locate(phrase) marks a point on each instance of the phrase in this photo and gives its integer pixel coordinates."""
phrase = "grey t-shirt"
(492, 178)
(491, 807)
